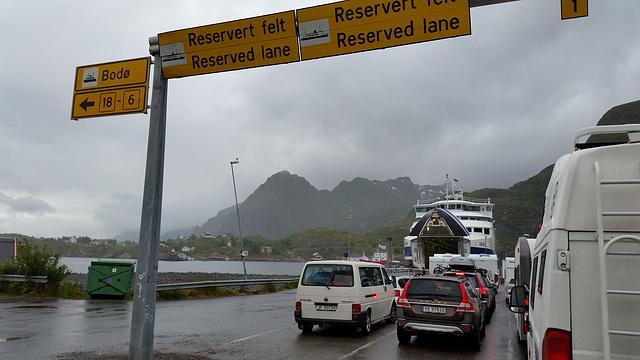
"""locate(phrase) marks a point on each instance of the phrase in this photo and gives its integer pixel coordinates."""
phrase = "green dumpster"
(109, 279)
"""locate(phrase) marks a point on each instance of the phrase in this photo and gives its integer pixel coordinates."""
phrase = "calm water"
(81, 266)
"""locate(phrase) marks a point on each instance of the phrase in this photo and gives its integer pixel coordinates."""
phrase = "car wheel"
(475, 338)
(306, 328)
(403, 336)
(365, 328)
(393, 315)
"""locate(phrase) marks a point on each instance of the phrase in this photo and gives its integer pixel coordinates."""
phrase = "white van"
(351, 293)
(585, 276)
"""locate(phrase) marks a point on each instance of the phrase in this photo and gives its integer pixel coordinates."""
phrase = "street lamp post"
(235, 193)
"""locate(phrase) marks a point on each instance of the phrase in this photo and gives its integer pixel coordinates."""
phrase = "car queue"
(357, 294)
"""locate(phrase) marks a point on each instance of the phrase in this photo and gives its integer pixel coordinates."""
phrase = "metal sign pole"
(146, 280)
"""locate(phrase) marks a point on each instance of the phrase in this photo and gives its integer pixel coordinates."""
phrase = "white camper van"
(522, 275)
(585, 276)
(340, 292)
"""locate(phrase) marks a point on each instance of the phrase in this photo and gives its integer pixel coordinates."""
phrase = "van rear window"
(328, 275)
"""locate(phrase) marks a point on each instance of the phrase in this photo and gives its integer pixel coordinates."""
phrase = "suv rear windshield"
(473, 279)
(328, 274)
(438, 289)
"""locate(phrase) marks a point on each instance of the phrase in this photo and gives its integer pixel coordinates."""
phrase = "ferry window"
(543, 259)
(532, 292)
(469, 230)
(478, 230)
(487, 231)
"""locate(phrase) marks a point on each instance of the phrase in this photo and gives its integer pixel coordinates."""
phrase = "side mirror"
(518, 303)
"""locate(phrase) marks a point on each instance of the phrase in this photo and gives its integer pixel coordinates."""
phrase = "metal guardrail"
(223, 283)
(24, 278)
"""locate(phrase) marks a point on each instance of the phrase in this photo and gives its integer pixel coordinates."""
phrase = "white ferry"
(476, 215)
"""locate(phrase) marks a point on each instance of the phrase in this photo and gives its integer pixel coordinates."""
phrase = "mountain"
(287, 203)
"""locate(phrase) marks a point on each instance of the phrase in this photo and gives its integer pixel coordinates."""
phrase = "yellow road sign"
(361, 25)
(113, 74)
(241, 44)
(114, 101)
(113, 88)
(570, 9)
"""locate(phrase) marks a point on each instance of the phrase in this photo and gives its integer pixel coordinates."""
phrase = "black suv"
(440, 304)
(480, 283)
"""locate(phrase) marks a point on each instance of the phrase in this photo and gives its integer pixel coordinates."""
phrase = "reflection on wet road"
(247, 327)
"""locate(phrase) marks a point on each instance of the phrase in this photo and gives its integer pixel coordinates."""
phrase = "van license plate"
(434, 310)
(326, 307)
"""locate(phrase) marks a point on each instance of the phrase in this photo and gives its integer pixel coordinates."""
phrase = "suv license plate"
(326, 307)
(434, 310)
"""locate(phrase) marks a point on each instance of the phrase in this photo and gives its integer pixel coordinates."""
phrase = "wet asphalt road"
(247, 327)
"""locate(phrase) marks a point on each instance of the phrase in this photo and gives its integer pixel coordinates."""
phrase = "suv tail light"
(465, 305)
(402, 301)
(556, 345)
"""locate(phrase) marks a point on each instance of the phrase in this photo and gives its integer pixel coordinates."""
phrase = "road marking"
(252, 336)
(365, 346)
(509, 351)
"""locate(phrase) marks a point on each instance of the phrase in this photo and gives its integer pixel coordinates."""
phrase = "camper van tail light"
(556, 345)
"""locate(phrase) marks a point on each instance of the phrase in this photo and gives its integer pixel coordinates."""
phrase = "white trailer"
(489, 262)
(440, 260)
(585, 285)
(508, 269)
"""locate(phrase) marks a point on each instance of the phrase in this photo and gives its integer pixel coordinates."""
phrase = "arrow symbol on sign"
(86, 103)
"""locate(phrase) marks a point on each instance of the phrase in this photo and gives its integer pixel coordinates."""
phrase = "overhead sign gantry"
(321, 31)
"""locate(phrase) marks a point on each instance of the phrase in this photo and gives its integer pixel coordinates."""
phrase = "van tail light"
(397, 292)
(298, 312)
(465, 305)
(556, 345)
(355, 311)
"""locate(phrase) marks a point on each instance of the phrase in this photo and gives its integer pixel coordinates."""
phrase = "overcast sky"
(489, 109)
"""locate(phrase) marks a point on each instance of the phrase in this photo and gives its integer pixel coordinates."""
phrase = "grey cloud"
(26, 205)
